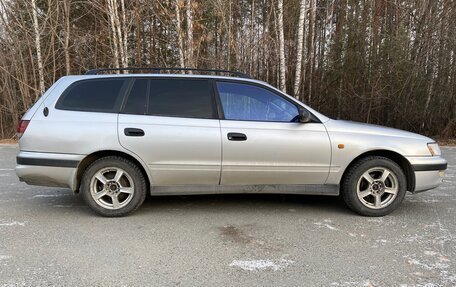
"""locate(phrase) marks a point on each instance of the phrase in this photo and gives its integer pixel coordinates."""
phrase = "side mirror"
(304, 116)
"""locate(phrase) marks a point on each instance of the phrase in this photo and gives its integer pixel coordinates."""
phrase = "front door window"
(245, 102)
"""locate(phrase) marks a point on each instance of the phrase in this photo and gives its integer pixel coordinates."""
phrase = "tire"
(113, 186)
(374, 186)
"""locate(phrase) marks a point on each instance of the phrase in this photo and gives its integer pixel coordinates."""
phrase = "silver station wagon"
(117, 137)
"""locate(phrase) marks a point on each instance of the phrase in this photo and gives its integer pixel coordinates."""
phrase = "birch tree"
(66, 33)
(39, 60)
(282, 68)
(311, 49)
(123, 34)
(180, 41)
(189, 54)
(115, 40)
(299, 45)
(119, 32)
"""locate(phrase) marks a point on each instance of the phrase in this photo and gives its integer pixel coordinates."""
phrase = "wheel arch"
(394, 156)
(89, 159)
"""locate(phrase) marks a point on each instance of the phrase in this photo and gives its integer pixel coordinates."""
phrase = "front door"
(264, 144)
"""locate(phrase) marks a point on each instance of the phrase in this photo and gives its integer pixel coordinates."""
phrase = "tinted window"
(92, 95)
(137, 99)
(253, 103)
(181, 98)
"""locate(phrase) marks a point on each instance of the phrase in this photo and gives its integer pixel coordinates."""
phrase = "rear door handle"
(133, 132)
(237, 137)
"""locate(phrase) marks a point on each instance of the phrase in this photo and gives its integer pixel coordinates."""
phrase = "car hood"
(370, 129)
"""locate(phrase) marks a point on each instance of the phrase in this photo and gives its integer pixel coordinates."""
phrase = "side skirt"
(310, 189)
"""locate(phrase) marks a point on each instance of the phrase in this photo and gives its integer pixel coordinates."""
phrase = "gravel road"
(49, 237)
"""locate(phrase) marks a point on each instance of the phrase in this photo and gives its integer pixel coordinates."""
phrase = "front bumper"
(429, 172)
(47, 169)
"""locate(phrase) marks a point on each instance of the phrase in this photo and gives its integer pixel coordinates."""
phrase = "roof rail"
(159, 70)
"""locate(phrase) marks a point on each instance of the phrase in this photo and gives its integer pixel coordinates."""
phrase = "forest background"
(388, 62)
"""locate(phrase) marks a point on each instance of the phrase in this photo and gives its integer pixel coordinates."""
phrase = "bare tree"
(66, 18)
(311, 49)
(39, 60)
(299, 45)
(282, 68)
(180, 41)
(123, 34)
(112, 10)
(189, 54)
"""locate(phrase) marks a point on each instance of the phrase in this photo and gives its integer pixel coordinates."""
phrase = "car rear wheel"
(374, 186)
(113, 186)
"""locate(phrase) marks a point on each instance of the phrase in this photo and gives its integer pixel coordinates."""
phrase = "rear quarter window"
(97, 95)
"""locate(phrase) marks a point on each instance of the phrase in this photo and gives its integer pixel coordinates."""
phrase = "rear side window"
(171, 97)
(100, 95)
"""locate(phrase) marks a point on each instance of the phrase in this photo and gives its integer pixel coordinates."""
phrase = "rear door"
(264, 144)
(172, 124)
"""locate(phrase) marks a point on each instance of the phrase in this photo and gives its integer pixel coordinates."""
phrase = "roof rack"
(159, 70)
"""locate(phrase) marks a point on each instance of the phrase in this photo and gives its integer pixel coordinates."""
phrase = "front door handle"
(133, 132)
(237, 137)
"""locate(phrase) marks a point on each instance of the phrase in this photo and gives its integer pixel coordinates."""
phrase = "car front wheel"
(374, 186)
(113, 186)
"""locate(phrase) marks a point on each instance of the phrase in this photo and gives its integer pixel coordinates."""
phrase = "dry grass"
(448, 142)
(8, 141)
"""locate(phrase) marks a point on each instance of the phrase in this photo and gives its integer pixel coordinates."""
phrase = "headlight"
(434, 149)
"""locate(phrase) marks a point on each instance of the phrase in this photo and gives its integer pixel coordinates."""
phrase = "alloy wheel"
(377, 187)
(112, 188)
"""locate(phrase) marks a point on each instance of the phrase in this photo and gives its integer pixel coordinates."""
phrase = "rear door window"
(186, 98)
(99, 95)
(181, 98)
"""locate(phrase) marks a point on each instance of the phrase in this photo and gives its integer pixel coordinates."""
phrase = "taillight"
(22, 127)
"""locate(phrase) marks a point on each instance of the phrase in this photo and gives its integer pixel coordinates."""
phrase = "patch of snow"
(257, 265)
(424, 200)
(13, 223)
(48, 195)
(376, 220)
(430, 253)
(443, 258)
(326, 225)
(427, 266)
(365, 283)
